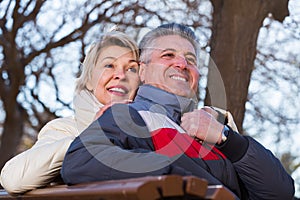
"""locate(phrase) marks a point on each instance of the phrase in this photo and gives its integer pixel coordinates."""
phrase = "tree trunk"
(236, 25)
(12, 132)
(9, 88)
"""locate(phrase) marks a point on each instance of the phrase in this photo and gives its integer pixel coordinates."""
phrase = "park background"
(250, 59)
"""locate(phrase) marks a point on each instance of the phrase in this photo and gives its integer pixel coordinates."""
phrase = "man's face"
(172, 66)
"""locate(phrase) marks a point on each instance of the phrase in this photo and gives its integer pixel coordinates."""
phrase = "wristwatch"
(224, 133)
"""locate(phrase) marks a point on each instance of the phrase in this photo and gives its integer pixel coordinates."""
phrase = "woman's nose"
(119, 74)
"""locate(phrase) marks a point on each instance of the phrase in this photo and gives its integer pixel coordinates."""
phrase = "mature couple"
(160, 133)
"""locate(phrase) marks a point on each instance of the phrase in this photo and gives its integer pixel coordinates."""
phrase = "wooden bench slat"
(116, 189)
(219, 192)
(169, 185)
(144, 188)
(195, 186)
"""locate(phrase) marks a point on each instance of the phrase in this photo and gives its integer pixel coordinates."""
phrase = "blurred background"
(250, 64)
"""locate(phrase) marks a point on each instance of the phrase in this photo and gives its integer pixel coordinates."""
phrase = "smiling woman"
(109, 74)
(110, 70)
(115, 75)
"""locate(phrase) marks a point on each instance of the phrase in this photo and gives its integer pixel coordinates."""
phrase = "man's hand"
(225, 115)
(203, 124)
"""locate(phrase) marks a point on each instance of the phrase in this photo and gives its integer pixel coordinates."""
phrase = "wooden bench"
(144, 188)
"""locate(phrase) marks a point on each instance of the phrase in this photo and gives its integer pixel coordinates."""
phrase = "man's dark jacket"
(144, 138)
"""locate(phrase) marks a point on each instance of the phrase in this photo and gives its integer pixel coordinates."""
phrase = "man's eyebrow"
(191, 54)
(168, 49)
(174, 50)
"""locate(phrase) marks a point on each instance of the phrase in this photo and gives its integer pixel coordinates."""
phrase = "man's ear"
(142, 72)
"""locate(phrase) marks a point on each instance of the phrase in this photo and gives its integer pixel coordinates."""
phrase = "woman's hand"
(105, 107)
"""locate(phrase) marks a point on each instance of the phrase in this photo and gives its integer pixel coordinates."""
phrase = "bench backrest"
(144, 188)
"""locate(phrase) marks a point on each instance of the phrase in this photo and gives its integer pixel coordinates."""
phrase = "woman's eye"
(132, 69)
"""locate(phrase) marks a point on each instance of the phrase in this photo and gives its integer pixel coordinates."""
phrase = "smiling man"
(145, 138)
(173, 66)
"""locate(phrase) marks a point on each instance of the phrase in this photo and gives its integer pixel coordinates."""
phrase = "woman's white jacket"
(40, 164)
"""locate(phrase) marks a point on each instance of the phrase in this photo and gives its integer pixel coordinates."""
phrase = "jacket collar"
(174, 105)
(86, 105)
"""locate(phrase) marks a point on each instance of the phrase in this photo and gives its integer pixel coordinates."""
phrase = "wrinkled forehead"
(175, 42)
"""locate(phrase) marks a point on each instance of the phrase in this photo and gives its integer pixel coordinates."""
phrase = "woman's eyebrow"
(133, 60)
(109, 58)
(114, 59)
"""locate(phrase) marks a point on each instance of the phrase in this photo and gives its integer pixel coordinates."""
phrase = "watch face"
(225, 133)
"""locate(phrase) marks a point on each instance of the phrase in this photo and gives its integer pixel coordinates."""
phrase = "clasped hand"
(202, 124)
(105, 107)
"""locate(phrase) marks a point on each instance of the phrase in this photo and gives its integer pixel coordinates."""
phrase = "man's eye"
(108, 66)
(168, 55)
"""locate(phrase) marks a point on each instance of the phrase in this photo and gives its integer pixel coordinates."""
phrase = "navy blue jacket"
(144, 138)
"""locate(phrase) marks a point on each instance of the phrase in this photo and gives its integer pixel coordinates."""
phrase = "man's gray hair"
(165, 30)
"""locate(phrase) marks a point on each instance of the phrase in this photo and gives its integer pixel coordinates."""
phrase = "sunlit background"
(273, 108)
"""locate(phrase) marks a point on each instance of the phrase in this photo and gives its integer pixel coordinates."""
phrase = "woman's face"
(115, 76)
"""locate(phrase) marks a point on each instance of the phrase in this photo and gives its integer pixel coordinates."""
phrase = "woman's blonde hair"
(109, 39)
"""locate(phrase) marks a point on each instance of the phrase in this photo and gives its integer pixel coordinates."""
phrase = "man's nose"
(180, 62)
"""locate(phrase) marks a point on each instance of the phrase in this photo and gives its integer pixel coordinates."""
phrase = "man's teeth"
(117, 90)
(178, 78)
